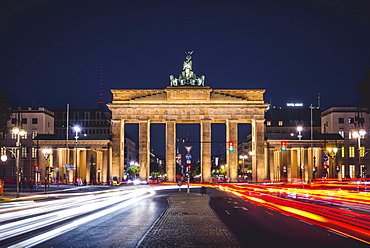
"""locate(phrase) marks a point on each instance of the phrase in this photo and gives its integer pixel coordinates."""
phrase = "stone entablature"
(188, 94)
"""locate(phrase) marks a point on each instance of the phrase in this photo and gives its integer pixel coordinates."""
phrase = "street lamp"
(18, 132)
(77, 129)
(299, 129)
(332, 152)
(47, 153)
(357, 135)
(243, 158)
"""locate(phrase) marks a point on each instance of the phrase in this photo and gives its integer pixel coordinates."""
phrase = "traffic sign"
(188, 156)
(188, 148)
(325, 158)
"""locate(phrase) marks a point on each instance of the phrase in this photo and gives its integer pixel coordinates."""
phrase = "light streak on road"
(21, 219)
(346, 211)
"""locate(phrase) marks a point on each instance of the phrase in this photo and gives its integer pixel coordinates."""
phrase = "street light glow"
(77, 129)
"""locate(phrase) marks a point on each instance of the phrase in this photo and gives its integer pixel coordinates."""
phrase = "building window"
(362, 151)
(24, 152)
(351, 120)
(34, 152)
(34, 120)
(341, 133)
(343, 152)
(24, 136)
(98, 115)
(268, 123)
(24, 120)
(341, 120)
(351, 151)
(350, 135)
(34, 134)
(280, 123)
(352, 171)
(87, 115)
(14, 151)
(75, 115)
(14, 121)
(343, 171)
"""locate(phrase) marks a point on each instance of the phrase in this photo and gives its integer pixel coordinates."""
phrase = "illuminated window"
(24, 152)
(352, 171)
(343, 170)
(24, 136)
(341, 133)
(350, 136)
(343, 152)
(34, 134)
(280, 123)
(268, 123)
(362, 151)
(14, 151)
(351, 151)
(351, 120)
(34, 152)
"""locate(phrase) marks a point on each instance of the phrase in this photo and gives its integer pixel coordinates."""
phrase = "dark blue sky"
(51, 51)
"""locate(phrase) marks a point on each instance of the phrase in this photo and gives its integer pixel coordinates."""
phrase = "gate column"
(259, 168)
(205, 149)
(171, 150)
(232, 156)
(144, 149)
(118, 146)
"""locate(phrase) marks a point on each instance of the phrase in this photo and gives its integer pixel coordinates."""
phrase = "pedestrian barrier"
(1, 187)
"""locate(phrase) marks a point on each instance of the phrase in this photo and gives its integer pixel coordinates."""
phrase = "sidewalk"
(189, 221)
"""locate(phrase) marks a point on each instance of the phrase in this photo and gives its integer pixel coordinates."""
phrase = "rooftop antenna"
(101, 85)
(318, 100)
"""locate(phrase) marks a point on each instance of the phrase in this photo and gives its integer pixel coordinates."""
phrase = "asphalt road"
(257, 226)
(253, 225)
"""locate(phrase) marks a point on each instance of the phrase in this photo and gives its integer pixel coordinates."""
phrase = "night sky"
(51, 51)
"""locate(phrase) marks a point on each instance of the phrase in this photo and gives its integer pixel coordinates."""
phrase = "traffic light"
(36, 169)
(57, 169)
(283, 145)
(314, 168)
(189, 169)
(231, 146)
(325, 166)
(337, 168)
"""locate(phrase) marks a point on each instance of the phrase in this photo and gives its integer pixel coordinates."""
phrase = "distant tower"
(101, 102)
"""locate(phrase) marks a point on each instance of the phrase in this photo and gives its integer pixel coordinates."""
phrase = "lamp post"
(299, 129)
(18, 132)
(332, 152)
(243, 158)
(357, 135)
(47, 153)
(77, 129)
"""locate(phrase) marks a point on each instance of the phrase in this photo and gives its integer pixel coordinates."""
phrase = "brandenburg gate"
(187, 100)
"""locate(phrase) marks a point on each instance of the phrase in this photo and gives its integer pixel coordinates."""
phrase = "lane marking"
(339, 234)
(306, 222)
(227, 211)
(244, 208)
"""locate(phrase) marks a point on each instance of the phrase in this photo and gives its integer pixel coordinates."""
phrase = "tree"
(363, 89)
(132, 170)
(5, 112)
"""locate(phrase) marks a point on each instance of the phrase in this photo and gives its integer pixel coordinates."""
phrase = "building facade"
(353, 156)
(33, 121)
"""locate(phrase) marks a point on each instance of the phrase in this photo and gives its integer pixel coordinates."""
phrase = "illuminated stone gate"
(187, 100)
